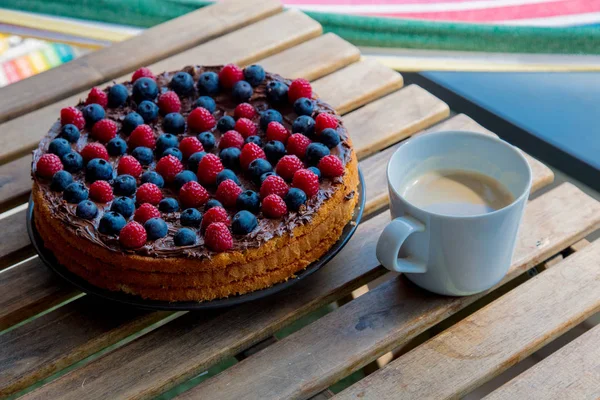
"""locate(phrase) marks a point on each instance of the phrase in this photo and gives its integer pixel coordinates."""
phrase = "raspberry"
(218, 238)
(331, 166)
(231, 139)
(168, 167)
(48, 165)
(94, 150)
(297, 145)
(274, 185)
(246, 127)
(190, 145)
(208, 169)
(97, 96)
(168, 102)
(142, 135)
(101, 191)
(250, 152)
(145, 212)
(200, 120)
(299, 88)
(148, 193)
(228, 192)
(324, 121)
(133, 235)
(193, 194)
(215, 214)
(142, 73)
(244, 110)
(276, 131)
(307, 181)
(273, 206)
(104, 130)
(71, 115)
(128, 165)
(287, 166)
(229, 75)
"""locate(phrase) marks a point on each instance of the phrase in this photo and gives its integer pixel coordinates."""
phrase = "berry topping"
(124, 185)
(184, 177)
(59, 146)
(299, 88)
(130, 166)
(274, 184)
(145, 212)
(173, 151)
(277, 92)
(287, 166)
(97, 96)
(324, 121)
(227, 174)
(200, 120)
(131, 121)
(215, 214)
(264, 176)
(258, 168)
(226, 123)
(133, 235)
(71, 115)
(117, 96)
(304, 125)
(249, 200)
(143, 155)
(297, 145)
(123, 206)
(269, 116)
(329, 137)
(70, 133)
(101, 191)
(306, 180)
(111, 223)
(189, 146)
(168, 102)
(193, 194)
(208, 169)
(72, 162)
(93, 113)
(274, 150)
(276, 131)
(174, 123)
(168, 167)
(194, 160)
(295, 198)
(231, 157)
(94, 150)
(244, 110)
(212, 203)
(191, 217)
(168, 205)
(243, 223)
(254, 139)
(207, 139)
(230, 74)
(231, 139)
(61, 180)
(242, 91)
(75, 193)
(156, 228)
(250, 152)
(206, 102)
(142, 73)
(86, 209)
(331, 166)
(144, 89)
(142, 136)
(208, 83)
(117, 147)
(184, 237)
(182, 83)
(254, 74)
(228, 192)
(218, 238)
(165, 141)
(148, 111)
(314, 153)
(153, 177)
(148, 193)
(273, 206)
(99, 169)
(246, 127)
(304, 106)
(315, 170)
(104, 130)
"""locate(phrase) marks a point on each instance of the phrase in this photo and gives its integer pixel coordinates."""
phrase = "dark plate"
(48, 258)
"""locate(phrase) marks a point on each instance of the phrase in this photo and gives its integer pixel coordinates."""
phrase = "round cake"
(196, 184)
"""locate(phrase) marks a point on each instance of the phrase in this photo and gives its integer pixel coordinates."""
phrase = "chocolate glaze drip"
(164, 247)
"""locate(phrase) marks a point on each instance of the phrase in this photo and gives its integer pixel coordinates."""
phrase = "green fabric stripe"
(365, 31)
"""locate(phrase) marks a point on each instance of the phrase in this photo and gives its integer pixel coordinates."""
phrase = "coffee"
(457, 192)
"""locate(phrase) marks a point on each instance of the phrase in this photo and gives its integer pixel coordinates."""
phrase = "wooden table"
(81, 348)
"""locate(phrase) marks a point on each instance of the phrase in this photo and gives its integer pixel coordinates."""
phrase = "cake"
(194, 185)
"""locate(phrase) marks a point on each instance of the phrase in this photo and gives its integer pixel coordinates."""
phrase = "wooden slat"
(572, 372)
(15, 182)
(334, 346)
(14, 236)
(169, 38)
(185, 347)
(496, 337)
(414, 109)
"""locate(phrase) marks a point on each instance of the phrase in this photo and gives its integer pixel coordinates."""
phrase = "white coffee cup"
(453, 255)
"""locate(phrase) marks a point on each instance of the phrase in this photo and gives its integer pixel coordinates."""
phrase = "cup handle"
(390, 241)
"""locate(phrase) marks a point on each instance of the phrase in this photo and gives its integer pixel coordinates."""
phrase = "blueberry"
(174, 123)
(295, 198)
(169, 205)
(173, 151)
(75, 192)
(70, 133)
(277, 92)
(116, 147)
(226, 123)
(143, 154)
(242, 91)
(124, 185)
(191, 217)
(111, 223)
(144, 89)
(304, 125)
(165, 141)
(316, 171)
(269, 115)
(259, 167)
(316, 151)
(230, 157)
(117, 95)
(148, 110)
(184, 237)
(72, 162)
(274, 150)
(93, 113)
(329, 137)
(194, 160)
(254, 74)
(227, 174)
(61, 180)
(206, 102)
(124, 206)
(156, 228)
(98, 169)
(184, 177)
(182, 83)
(59, 146)
(249, 200)
(208, 83)
(86, 209)
(207, 139)
(304, 106)
(153, 177)
(212, 203)
(254, 139)
(243, 222)
(131, 121)
(264, 176)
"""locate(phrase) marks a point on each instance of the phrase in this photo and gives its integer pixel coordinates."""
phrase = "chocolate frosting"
(164, 247)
